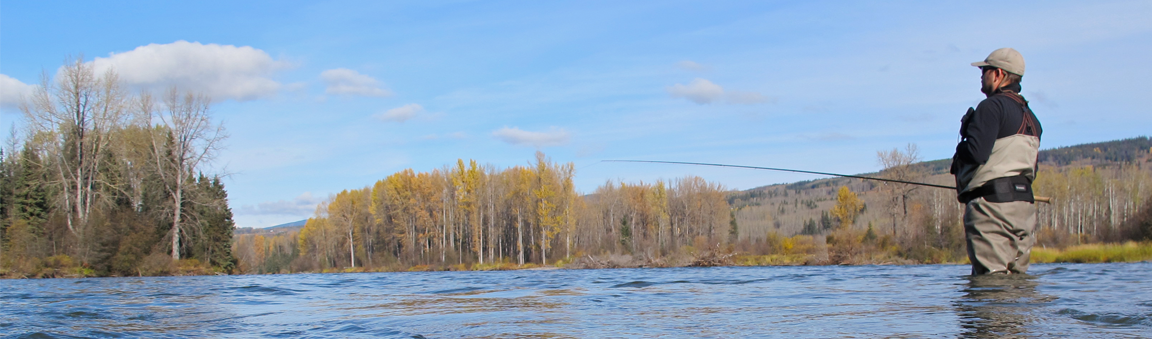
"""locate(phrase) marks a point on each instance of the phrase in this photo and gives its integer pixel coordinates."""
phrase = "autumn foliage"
(468, 216)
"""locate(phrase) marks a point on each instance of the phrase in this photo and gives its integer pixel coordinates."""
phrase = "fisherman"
(994, 165)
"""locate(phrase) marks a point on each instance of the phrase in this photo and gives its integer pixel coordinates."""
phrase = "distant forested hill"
(281, 228)
(1096, 187)
(1125, 150)
(1116, 151)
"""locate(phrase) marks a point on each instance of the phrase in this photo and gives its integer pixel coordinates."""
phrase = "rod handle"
(1046, 200)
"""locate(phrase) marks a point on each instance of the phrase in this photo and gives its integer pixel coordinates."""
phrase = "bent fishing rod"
(1040, 199)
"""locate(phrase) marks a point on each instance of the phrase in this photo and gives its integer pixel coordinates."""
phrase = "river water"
(1056, 300)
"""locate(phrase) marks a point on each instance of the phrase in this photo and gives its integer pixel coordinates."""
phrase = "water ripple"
(1076, 300)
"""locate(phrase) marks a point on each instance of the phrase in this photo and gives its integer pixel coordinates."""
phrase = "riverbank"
(65, 267)
(1095, 253)
(1088, 254)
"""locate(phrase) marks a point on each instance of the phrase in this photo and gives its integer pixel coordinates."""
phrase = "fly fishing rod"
(1040, 199)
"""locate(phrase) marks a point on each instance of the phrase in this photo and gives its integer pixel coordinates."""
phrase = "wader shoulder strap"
(1028, 121)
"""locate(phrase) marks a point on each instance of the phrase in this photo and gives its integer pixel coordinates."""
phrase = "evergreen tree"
(826, 222)
(6, 197)
(733, 229)
(810, 227)
(30, 197)
(214, 241)
(26, 204)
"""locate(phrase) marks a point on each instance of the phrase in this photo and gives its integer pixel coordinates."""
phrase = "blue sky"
(323, 96)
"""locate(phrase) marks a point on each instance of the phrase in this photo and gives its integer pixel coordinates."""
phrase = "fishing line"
(1038, 199)
(786, 170)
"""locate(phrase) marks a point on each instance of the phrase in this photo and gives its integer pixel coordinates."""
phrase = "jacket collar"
(1014, 88)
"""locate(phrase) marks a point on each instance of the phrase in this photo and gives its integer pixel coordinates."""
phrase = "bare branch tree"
(898, 165)
(191, 141)
(77, 110)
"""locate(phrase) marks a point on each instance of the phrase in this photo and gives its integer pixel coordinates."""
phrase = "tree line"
(1094, 200)
(466, 215)
(1094, 203)
(108, 181)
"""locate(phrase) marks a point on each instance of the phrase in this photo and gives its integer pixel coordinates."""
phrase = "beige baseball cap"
(1006, 58)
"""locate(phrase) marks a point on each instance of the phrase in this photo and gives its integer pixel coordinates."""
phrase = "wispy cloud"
(828, 136)
(402, 113)
(456, 135)
(221, 71)
(691, 66)
(515, 136)
(302, 206)
(590, 150)
(12, 90)
(702, 91)
(343, 81)
(747, 98)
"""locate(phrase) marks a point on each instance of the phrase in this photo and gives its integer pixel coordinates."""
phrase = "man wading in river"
(994, 165)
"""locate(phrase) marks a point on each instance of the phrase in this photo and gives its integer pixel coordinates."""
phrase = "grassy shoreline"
(1095, 253)
(1085, 254)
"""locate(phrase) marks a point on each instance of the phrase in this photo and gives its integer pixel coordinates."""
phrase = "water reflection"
(999, 305)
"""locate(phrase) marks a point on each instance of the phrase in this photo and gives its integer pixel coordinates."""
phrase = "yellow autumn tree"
(568, 198)
(316, 239)
(547, 195)
(426, 195)
(472, 178)
(466, 184)
(848, 207)
(658, 197)
(519, 197)
(259, 250)
(347, 212)
(402, 209)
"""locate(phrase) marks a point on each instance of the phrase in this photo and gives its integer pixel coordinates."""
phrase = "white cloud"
(343, 81)
(12, 90)
(302, 206)
(402, 113)
(702, 91)
(699, 91)
(221, 71)
(515, 136)
(691, 65)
